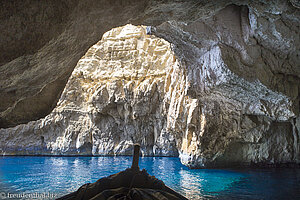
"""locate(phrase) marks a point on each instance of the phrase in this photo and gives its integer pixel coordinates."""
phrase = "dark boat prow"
(130, 184)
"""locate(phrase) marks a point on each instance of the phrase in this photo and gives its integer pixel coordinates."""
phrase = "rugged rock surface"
(249, 108)
(218, 86)
(114, 97)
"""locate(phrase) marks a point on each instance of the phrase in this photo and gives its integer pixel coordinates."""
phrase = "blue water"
(61, 175)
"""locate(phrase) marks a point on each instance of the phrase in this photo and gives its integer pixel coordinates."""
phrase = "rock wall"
(114, 98)
(246, 108)
(217, 87)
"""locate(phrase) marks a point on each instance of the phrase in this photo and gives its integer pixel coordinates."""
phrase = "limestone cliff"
(217, 84)
(114, 97)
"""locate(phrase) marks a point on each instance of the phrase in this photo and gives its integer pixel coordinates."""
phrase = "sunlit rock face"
(117, 95)
(219, 87)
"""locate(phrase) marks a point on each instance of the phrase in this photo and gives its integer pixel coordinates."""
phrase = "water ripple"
(62, 175)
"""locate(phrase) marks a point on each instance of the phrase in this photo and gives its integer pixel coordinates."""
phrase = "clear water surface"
(61, 175)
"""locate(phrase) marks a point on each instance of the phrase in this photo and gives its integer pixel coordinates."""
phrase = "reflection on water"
(65, 174)
(207, 182)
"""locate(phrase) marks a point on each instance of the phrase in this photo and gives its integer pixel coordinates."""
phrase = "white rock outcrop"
(118, 94)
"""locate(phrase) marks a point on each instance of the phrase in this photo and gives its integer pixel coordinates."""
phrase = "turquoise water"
(61, 175)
